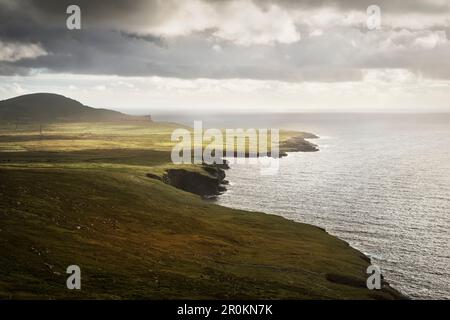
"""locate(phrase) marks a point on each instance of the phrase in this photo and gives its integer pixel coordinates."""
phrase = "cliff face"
(208, 184)
(211, 183)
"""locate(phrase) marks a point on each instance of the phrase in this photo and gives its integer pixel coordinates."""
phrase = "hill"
(49, 107)
(135, 237)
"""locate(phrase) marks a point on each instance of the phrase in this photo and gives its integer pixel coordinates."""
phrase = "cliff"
(209, 183)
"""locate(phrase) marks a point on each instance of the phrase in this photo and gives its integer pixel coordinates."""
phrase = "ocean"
(381, 182)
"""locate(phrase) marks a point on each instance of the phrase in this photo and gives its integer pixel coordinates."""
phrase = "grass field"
(78, 194)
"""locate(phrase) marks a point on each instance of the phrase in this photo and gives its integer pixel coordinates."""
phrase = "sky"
(231, 55)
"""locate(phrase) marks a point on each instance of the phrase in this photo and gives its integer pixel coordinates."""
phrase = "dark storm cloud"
(133, 38)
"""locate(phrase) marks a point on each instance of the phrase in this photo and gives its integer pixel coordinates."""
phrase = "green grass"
(64, 203)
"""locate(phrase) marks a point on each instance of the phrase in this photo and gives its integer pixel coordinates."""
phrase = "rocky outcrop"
(207, 184)
(211, 182)
(153, 176)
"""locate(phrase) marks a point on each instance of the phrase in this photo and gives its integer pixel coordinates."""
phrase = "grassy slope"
(48, 107)
(135, 237)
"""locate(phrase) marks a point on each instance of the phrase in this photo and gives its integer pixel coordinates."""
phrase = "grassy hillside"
(78, 194)
(48, 107)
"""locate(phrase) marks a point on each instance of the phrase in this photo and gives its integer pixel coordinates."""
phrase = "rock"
(195, 182)
(153, 176)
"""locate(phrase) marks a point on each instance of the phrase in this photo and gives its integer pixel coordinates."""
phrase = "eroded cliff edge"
(211, 182)
(208, 182)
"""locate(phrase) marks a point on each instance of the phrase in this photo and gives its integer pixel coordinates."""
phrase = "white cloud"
(238, 21)
(15, 51)
(431, 40)
(382, 90)
(316, 33)
(217, 48)
(100, 88)
(396, 76)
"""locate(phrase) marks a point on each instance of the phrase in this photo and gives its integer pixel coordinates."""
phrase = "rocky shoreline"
(299, 144)
(213, 183)
(207, 185)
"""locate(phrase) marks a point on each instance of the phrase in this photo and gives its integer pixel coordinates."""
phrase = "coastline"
(123, 222)
(212, 184)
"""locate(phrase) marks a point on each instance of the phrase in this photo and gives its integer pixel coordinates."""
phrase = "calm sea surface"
(380, 182)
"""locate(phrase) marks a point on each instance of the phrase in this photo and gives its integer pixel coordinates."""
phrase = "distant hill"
(49, 107)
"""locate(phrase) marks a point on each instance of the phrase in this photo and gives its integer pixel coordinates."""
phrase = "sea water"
(380, 182)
